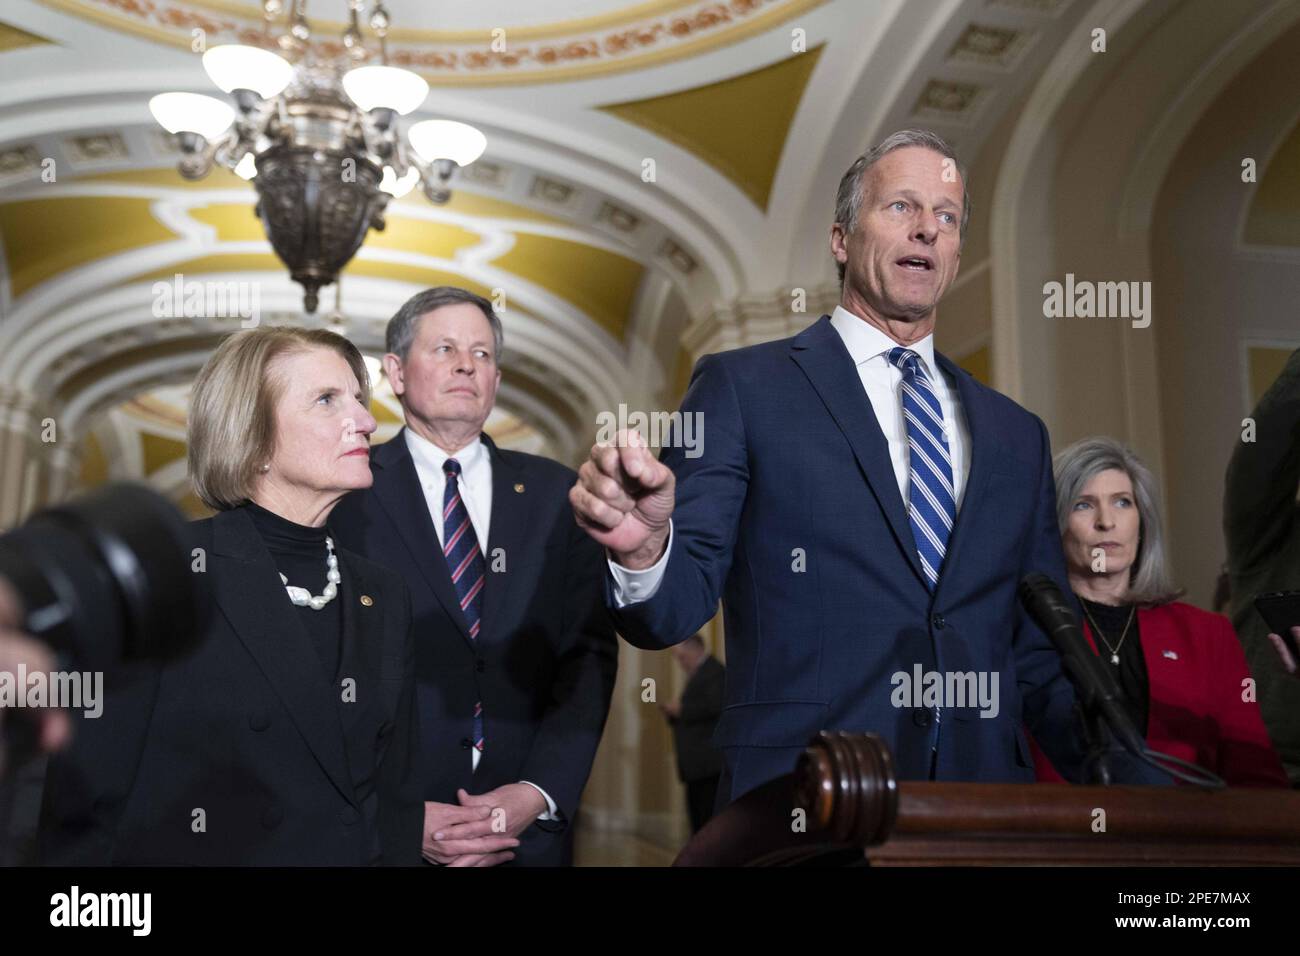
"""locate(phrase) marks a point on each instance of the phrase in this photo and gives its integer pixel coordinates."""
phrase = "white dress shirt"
(475, 485)
(883, 383)
(475, 482)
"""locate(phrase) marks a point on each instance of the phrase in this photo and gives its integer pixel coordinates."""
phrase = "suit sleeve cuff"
(633, 587)
(552, 811)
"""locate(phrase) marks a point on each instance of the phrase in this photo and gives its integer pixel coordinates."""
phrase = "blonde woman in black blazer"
(288, 736)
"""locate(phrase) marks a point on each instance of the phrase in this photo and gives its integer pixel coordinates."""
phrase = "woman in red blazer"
(1184, 675)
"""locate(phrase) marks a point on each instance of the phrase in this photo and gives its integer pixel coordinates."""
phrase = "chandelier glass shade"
(317, 136)
(238, 67)
(204, 116)
(385, 87)
(434, 140)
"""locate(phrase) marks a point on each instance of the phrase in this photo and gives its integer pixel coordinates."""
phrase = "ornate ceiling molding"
(101, 353)
(130, 231)
(646, 35)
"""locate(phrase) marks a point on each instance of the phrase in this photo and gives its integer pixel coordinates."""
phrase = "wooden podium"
(855, 811)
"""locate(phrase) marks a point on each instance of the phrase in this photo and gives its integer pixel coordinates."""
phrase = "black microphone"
(1094, 685)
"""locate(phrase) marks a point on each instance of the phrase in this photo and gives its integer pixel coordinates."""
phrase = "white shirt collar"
(429, 455)
(864, 341)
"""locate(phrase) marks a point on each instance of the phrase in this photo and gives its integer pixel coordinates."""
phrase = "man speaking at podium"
(865, 510)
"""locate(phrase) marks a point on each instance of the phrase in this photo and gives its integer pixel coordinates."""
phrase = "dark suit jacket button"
(466, 743)
(349, 815)
(259, 721)
(272, 817)
(921, 717)
(939, 622)
(480, 666)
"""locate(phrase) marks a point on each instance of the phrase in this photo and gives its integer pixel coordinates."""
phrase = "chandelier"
(317, 134)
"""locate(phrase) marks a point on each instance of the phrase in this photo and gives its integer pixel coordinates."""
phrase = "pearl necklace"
(304, 598)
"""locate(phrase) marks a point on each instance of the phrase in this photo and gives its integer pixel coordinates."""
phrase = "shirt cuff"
(552, 811)
(633, 587)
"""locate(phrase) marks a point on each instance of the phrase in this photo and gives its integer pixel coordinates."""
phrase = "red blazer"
(1196, 669)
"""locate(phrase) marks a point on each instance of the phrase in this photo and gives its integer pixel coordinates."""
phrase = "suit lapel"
(359, 656)
(983, 444)
(821, 353)
(248, 592)
(397, 489)
(512, 514)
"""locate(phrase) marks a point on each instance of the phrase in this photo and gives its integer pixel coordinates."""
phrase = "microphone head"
(1042, 598)
(1035, 582)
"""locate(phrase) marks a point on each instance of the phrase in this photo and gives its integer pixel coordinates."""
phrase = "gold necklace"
(1114, 651)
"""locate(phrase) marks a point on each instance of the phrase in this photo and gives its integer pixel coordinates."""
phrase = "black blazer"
(702, 700)
(248, 736)
(544, 662)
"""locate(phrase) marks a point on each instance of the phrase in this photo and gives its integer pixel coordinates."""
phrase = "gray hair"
(402, 327)
(848, 198)
(1150, 583)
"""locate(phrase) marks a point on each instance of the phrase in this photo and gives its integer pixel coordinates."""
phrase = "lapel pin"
(519, 487)
(1172, 655)
(367, 600)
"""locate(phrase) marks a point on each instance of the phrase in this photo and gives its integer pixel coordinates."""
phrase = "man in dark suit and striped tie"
(864, 509)
(515, 652)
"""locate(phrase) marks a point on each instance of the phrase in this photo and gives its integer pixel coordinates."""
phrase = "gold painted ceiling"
(45, 238)
(738, 126)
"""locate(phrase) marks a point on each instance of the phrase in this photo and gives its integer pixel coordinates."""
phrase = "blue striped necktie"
(465, 561)
(930, 486)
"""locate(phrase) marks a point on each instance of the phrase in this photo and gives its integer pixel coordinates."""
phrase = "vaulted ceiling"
(649, 165)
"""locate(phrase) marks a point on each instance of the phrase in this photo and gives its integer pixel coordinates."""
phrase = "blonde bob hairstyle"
(231, 429)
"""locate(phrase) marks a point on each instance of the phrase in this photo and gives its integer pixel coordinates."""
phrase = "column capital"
(751, 319)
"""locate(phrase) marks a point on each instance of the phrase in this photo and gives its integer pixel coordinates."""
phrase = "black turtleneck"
(1131, 672)
(298, 553)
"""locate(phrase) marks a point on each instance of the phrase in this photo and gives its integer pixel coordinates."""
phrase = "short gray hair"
(848, 198)
(1149, 581)
(402, 327)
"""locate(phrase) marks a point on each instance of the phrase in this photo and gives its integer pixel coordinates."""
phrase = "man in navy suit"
(515, 655)
(865, 510)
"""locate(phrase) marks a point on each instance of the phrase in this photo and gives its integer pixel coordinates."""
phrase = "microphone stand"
(1097, 695)
(1096, 730)
(1097, 735)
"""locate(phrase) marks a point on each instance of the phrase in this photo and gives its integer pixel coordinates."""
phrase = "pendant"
(1114, 659)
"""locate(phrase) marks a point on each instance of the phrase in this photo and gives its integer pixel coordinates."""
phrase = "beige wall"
(1217, 295)
(1130, 171)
